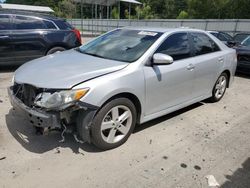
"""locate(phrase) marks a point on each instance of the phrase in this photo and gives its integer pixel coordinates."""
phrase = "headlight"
(59, 99)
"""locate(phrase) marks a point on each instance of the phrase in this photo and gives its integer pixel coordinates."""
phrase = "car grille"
(26, 93)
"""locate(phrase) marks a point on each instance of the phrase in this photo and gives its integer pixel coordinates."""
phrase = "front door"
(170, 85)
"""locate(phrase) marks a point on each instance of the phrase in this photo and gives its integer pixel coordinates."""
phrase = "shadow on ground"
(25, 134)
(240, 178)
(166, 117)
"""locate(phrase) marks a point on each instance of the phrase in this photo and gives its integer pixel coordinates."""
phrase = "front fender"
(105, 87)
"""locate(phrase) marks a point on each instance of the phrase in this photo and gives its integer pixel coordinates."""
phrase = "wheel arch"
(61, 45)
(228, 75)
(133, 98)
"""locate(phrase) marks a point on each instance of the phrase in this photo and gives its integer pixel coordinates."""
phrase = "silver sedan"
(125, 77)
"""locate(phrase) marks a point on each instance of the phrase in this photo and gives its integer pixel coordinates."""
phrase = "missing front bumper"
(36, 118)
(53, 120)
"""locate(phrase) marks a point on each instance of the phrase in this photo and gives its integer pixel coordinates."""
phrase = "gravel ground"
(177, 150)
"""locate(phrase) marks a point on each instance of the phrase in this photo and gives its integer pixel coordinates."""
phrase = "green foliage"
(144, 12)
(66, 9)
(183, 15)
(219, 9)
(115, 13)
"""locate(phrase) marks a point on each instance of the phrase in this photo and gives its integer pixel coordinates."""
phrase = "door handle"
(190, 67)
(221, 59)
(4, 37)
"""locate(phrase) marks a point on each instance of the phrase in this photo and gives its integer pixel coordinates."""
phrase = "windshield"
(121, 45)
(240, 37)
(246, 42)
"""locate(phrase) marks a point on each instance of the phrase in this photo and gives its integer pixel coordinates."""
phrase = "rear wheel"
(113, 124)
(55, 49)
(220, 88)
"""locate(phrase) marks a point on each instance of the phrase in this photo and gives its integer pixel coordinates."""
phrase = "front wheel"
(113, 123)
(219, 88)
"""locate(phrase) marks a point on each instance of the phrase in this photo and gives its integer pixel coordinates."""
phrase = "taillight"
(78, 35)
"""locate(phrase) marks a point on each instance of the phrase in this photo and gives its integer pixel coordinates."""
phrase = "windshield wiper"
(95, 55)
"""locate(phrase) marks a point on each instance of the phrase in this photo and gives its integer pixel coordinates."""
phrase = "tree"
(115, 13)
(66, 9)
(144, 12)
(152, 9)
(183, 15)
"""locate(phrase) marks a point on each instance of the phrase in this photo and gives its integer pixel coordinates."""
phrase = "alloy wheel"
(220, 86)
(116, 124)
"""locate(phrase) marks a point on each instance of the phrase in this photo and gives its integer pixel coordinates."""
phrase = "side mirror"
(162, 59)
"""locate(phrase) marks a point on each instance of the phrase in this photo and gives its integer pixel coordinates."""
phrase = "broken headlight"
(59, 99)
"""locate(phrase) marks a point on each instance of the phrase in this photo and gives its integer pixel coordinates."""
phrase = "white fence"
(231, 26)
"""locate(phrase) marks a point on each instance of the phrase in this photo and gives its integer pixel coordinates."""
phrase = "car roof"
(32, 14)
(163, 29)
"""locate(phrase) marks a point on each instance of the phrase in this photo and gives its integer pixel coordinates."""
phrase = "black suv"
(25, 36)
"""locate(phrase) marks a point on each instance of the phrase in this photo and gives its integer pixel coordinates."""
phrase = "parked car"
(25, 36)
(224, 37)
(243, 54)
(239, 37)
(121, 78)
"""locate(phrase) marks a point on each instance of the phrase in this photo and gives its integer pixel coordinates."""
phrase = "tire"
(55, 49)
(220, 87)
(113, 124)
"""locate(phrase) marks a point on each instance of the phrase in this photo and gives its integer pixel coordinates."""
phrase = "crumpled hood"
(65, 69)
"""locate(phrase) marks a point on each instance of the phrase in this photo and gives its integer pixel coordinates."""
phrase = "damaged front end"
(49, 109)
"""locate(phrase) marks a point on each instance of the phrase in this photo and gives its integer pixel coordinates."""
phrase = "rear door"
(28, 38)
(208, 59)
(6, 46)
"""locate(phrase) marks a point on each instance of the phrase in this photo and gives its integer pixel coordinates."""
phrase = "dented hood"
(64, 70)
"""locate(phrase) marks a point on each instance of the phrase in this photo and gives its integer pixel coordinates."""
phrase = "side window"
(49, 24)
(177, 46)
(5, 23)
(203, 44)
(23, 22)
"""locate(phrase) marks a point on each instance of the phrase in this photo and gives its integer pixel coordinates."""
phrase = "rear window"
(5, 23)
(64, 25)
